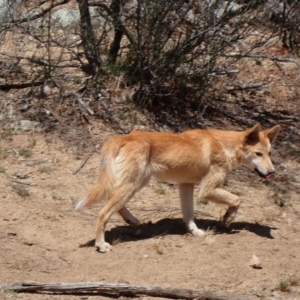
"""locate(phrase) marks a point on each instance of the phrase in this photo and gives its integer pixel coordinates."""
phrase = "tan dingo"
(205, 156)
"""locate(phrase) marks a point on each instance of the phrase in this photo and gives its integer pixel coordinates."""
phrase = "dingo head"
(256, 150)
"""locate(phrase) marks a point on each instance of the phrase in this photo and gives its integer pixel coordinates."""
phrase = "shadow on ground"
(168, 226)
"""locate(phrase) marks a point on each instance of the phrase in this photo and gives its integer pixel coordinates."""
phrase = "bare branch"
(246, 87)
(6, 87)
(263, 56)
(117, 289)
(34, 16)
(111, 13)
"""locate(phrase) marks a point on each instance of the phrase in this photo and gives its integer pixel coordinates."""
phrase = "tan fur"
(206, 156)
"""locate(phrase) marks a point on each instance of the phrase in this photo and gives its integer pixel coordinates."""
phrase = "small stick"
(82, 164)
(20, 182)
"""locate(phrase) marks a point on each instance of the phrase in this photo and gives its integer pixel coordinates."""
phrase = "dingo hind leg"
(121, 195)
(186, 191)
(116, 203)
(128, 217)
(131, 174)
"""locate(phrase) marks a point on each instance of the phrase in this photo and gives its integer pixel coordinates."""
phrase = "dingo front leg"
(219, 195)
(186, 191)
(210, 190)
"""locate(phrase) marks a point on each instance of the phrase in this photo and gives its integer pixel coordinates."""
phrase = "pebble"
(255, 262)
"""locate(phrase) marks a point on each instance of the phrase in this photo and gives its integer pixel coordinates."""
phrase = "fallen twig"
(20, 182)
(85, 106)
(35, 163)
(82, 164)
(6, 87)
(263, 56)
(245, 87)
(117, 289)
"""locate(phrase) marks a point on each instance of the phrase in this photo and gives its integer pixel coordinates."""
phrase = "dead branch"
(260, 56)
(20, 182)
(82, 104)
(117, 289)
(245, 87)
(110, 13)
(35, 163)
(6, 87)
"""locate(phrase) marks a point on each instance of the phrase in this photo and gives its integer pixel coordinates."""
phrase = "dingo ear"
(272, 133)
(252, 135)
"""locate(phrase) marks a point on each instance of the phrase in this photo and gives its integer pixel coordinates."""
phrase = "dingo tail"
(102, 190)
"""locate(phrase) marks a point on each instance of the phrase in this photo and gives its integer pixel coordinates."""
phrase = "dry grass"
(3, 154)
(160, 248)
(285, 285)
(114, 240)
(210, 236)
(159, 189)
(7, 133)
(294, 280)
(202, 201)
(20, 190)
(45, 169)
(25, 152)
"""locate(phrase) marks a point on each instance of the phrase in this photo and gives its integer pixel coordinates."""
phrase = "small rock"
(21, 175)
(282, 167)
(296, 178)
(255, 262)
(23, 107)
(27, 125)
(145, 255)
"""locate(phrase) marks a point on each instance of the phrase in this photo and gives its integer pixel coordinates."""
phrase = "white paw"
(197, 232)
(103, 247)
(194, 230)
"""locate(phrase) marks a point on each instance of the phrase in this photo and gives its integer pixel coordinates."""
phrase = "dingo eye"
(258, 153)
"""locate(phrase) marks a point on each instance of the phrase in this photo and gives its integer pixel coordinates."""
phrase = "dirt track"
(43, 239)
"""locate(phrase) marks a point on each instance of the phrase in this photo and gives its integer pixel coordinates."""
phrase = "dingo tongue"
(270, 176)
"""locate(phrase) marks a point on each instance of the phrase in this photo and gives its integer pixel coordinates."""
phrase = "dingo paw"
(197, 232)
(103, 247)
(226, 222)
(228, 218)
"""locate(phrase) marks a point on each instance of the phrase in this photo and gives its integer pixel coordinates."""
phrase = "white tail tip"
(80, 204)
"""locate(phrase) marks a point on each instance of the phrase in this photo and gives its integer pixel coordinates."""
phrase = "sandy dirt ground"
(43, 239)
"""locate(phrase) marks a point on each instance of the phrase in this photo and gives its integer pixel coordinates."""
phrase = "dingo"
(205, 156)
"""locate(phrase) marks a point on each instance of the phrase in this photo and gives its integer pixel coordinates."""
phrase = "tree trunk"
(115, 45)
(88, 38)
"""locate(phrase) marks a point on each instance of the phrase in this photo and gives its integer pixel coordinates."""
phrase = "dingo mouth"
(269, 175)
